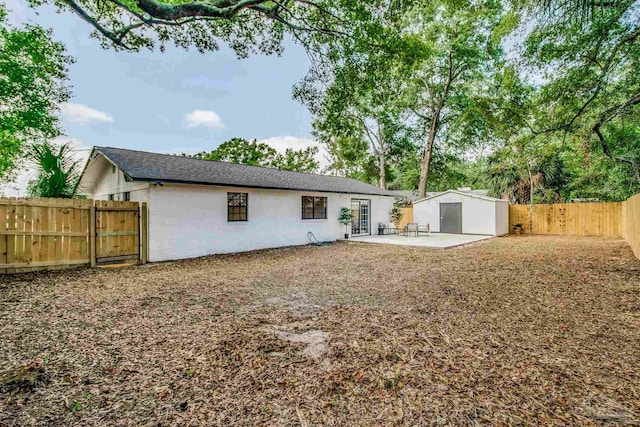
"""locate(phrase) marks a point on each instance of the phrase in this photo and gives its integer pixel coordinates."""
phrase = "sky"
(172, 102)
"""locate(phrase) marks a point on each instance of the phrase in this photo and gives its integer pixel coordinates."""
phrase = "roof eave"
(264, 187)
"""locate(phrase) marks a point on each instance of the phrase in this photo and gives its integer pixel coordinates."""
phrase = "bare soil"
(522, 331)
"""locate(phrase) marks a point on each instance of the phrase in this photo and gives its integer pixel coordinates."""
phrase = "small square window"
(111, 196)
(126, 196)
(314, 207)
(237, 207)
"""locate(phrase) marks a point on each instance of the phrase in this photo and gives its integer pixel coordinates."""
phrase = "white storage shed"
(458, 212)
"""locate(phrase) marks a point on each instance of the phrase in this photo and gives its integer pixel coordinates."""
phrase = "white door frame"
(367, 218)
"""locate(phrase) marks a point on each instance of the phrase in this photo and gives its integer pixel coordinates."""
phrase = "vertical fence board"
(92, 236)
(11, 239)
(3, 239)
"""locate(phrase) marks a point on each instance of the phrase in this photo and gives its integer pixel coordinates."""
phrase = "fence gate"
(117, 233)
(50, 234)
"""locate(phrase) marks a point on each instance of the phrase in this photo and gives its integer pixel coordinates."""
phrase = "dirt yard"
(511, 331)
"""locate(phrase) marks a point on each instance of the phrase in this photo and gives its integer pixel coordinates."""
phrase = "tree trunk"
(382, 163)
(426, 157)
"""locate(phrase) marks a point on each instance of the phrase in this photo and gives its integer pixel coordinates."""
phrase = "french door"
(361, 216)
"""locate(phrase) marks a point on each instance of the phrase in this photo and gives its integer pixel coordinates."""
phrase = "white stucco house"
(459, 212)
(201, 207)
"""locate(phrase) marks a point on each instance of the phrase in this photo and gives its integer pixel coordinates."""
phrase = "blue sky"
(176, 101)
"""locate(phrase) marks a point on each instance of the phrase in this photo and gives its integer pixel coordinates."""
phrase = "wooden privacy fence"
(631, 223)
(407, 217)
(571, 219)
(47, 234)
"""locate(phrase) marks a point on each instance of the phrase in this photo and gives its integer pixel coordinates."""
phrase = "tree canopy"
(536, 100)
(239, 150)
(246, 25)
(33, 82)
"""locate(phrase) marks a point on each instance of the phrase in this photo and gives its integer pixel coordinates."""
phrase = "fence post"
(92, 234)
(144, 233)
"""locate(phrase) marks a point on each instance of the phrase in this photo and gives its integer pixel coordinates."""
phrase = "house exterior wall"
(111, 180)
(479, 216)
(188, 221)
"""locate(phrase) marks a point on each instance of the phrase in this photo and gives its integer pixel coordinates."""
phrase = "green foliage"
(345, 217)
(246, 26)
(403, 94)
(33, 82)
(298, 160)
(408, 80)
(396, 214)
(528, 175)
(57, 173)
(586, 112)
(353, 95)
(238, 150)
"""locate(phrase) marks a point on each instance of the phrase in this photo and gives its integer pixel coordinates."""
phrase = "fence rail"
(570, 219)
(47, 234)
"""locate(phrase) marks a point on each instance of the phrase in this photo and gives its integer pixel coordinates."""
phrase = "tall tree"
(33, 82)
(353, 93)
(589, 99)
(450, 55)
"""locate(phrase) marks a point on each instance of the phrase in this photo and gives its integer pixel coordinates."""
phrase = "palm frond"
(57, 171)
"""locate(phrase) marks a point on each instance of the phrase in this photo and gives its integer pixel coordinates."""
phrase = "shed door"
(451, 218)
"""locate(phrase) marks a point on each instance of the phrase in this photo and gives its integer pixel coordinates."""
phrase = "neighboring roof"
(145, 166)
(477, 192)
(463, 193)
(412, 195)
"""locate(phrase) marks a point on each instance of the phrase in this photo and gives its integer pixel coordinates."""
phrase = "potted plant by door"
(396, 215)
(345, 218)
(517, 229)
(381, 228)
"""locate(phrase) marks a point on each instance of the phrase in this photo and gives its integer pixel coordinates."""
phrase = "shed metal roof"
(462, 193)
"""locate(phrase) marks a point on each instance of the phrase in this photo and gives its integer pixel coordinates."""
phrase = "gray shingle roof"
(145, 166)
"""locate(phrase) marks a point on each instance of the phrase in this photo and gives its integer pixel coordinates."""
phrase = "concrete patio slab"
(434, 240)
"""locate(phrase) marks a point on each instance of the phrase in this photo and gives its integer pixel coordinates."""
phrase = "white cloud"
(281, 143)
(80, 113)
(18, 186)
(204, 118)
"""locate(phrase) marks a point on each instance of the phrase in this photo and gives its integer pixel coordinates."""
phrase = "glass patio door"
(360, 222)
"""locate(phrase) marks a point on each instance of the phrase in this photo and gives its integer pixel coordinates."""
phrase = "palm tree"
(57, 171)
